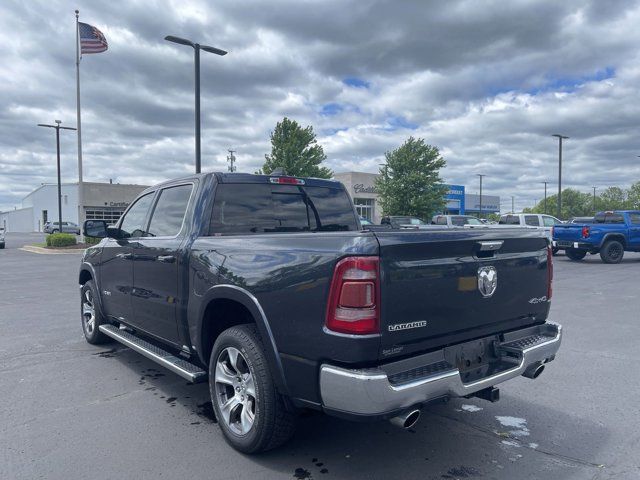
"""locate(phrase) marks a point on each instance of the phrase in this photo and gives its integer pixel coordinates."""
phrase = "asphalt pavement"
(70, 410)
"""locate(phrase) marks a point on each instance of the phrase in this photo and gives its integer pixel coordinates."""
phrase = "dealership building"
(361, 188)
(102, 201)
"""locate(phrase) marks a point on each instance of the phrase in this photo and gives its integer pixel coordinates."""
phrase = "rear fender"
(250, 302)
(614, 236)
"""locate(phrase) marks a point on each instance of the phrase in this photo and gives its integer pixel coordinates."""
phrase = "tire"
(612, 251)
(554, 250)
(91, 316)
(575, 254)
(250, 423)
(54, 231)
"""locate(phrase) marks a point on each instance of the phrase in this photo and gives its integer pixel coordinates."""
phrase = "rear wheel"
(612, 252)
(55, 231)
(251, 413)
(91, 316)
(575, 254)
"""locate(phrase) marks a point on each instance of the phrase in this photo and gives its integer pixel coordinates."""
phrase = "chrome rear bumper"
(373, 392)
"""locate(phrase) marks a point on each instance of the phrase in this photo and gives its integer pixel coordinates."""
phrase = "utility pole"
(480, 210)
(513, 210)
(545, 197)
(231, 159)
(594, 201)
(560, 138)
(58, 127)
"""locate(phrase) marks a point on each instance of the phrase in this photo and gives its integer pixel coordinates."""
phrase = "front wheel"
(250, 411)
(575, 254)
(91, 316)
(612, 252)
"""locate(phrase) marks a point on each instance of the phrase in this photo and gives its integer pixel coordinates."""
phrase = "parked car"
(1, 237)
(264, 286)
(541, 221)
(365, 222)
(610, 234)
(67, 227)
(451, 221)
(400, 221)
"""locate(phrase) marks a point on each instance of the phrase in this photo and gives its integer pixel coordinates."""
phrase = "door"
(157, 264)
(634, 230)
(116, 268)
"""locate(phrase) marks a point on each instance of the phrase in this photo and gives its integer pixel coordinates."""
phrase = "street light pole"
(512, 205)
(196, 57)
(560, 138)
(480, 210)
(58, 127)
(545, 197)
(594, 201)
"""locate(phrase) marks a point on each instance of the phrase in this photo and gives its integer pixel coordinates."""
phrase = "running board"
(178, 365)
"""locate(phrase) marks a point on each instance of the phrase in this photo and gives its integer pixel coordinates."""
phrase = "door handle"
(166, 258)
(125, 256)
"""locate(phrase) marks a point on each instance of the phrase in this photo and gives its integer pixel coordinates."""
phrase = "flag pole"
(80, 186)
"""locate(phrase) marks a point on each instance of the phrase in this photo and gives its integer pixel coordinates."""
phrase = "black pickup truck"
(268, 288)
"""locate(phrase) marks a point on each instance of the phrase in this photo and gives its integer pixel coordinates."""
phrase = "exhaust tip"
(534, 371)
(406, 420)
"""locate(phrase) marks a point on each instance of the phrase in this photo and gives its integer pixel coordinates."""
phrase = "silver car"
(1, 237)
(67, 227)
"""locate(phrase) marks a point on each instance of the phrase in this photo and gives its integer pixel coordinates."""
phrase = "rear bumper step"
(376, 392)
(178, 365)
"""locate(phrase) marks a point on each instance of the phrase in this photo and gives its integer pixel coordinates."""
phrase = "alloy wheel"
(88, 312)
(235, 391)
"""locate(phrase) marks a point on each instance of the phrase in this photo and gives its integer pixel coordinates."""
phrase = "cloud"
(487, 82)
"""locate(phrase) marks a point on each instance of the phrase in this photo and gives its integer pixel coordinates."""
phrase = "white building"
(104, 201)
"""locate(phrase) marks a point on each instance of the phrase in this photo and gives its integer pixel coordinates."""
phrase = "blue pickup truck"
(609, 233)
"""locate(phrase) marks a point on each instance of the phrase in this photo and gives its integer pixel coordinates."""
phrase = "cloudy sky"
(487, 82)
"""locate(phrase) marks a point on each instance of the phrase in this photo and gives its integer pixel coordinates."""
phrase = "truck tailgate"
(570, 232)
(430, 295)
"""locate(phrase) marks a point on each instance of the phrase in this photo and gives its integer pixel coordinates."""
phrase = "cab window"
(532, 220)
(134, 221)
(168, 214)
(549, 221)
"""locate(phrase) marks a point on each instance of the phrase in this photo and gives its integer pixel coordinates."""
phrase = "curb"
(46, 251)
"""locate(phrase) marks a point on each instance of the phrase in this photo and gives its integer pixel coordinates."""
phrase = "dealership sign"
(360, 188)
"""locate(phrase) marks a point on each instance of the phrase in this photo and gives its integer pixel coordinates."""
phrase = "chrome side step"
(178, 365)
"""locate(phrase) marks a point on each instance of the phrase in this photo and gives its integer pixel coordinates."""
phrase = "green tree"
(613, 198)
(633, 196)
(574, 204)
(409, 183)
(296, 151)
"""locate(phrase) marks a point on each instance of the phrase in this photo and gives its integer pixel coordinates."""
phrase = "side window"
(634, 218)
(441, 221)
(548, 221)
(532, 220)
(168, 215)
(133, 222)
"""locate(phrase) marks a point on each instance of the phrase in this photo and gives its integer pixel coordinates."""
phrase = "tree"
(296, 151)
(574, 204)
(633, 196)
(613, 198)
(409, 183)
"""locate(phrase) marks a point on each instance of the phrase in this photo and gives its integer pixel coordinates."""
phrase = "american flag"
(91, 39)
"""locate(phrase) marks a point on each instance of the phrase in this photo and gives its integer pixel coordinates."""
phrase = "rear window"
(461, 221)
(509, 220)
(634, 218)
(613, 218)
(532, 220)
(241, 209)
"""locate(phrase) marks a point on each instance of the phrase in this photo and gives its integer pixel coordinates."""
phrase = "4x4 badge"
(487, 281)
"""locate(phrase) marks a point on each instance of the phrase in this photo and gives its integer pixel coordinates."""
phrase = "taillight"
(354, 297)
(585, 232)
(549, 273)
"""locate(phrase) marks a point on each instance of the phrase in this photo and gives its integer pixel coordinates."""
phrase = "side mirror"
(95, 229)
